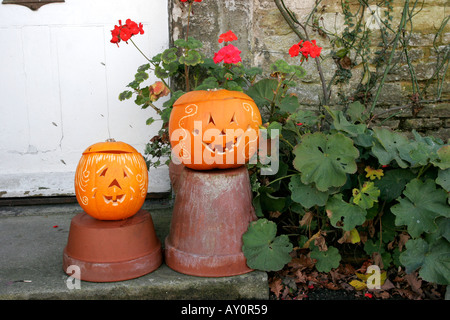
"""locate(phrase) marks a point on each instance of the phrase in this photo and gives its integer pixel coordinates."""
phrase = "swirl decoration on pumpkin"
(190, 111)
(252, 149)
(82, 178)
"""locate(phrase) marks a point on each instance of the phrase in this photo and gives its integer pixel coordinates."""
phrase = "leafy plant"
(370, 182)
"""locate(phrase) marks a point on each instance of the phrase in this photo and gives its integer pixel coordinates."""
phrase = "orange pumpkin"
(111, 180)
(214, 129)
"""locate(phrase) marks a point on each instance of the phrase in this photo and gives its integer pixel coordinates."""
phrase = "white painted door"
(60, 78)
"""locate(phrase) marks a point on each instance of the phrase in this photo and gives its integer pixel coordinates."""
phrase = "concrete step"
(32, 239)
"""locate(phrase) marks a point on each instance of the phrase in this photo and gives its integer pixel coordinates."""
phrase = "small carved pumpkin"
(214, 129)
(111, 180)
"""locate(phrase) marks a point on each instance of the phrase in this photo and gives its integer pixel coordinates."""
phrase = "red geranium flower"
(307, 48)
(228, 54)
(126, 31)
(227, 36)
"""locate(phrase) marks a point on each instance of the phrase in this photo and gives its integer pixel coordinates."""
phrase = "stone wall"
(264, 36)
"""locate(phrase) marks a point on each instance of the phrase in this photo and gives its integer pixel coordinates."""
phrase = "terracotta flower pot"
(174, 175)
(107, 251)
(211, 212)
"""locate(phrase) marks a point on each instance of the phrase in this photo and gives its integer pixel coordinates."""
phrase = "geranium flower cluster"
(229, 53)
(306, 48)
(126, 31)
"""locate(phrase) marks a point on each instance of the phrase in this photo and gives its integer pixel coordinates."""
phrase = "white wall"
(60, 78)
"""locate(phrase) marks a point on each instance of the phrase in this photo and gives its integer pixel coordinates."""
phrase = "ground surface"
(299, 280)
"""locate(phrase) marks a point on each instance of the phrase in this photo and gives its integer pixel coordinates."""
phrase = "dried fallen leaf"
(276, 286)
(414, 282)
(306, 220)
(300, 277)
(358, 285)
(315, 236)
(402, 239)
(350, 237)
(320, 243)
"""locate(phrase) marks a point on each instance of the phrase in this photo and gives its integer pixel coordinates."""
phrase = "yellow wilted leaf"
(315, 236)
(354, 236)
(358, 285)
(365, 276)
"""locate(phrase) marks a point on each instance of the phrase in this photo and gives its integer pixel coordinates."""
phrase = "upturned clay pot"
(174, 175)
(107, 251)
(212, 211)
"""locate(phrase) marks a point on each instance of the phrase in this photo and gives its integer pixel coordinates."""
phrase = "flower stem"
(186, 67)
(141, 51)
(163, 81)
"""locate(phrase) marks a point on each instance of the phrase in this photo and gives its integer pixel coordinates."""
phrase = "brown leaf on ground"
(300, 277)
(276, 286)
(414, 282)
(320, 243)
(301, 263)
(402, 239)
(306, 220)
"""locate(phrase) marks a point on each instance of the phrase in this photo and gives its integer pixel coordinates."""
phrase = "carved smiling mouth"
(220, 149)
(115, 199)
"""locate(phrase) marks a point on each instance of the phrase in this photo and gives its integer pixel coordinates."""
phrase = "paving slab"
(32, 240)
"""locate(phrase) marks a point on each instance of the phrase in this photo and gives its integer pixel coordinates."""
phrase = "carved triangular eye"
(103, 173)
(125, 174)
(233, 119)
(211, 120)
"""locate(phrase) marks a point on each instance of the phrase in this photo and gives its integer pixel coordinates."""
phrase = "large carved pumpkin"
(111, 181)
(214, 129)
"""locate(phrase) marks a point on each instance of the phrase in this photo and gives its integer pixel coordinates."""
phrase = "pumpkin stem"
(110, 140)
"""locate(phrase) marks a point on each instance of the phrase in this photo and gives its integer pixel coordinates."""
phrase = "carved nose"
(115, 183)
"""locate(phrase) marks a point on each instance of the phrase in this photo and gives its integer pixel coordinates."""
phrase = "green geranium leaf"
(165, 115)
(263, 249)
(366, 197)
(393, 182)
(325, 160)
(193, 43)
(180, 43)
(274, 125)
(171, 68)
(272, 203)
(253, 72)
(125, 95)
(420, 207)
(281, 66)
(371, 247)
(326, 260)
(342, 124)
(356, 112)
(289, 104)
(305, 117)
(144, 67)
(306, 195)
(262, 92)
(141, 76)
(191, 58)
(433, 260)
(388, 145)
(443, 179)
(443, 162)
(344, 215)
(414, 256)
(161, 73)
(208, 83)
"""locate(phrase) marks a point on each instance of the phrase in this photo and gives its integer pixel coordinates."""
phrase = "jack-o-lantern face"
(214, 129)
(111, 181)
